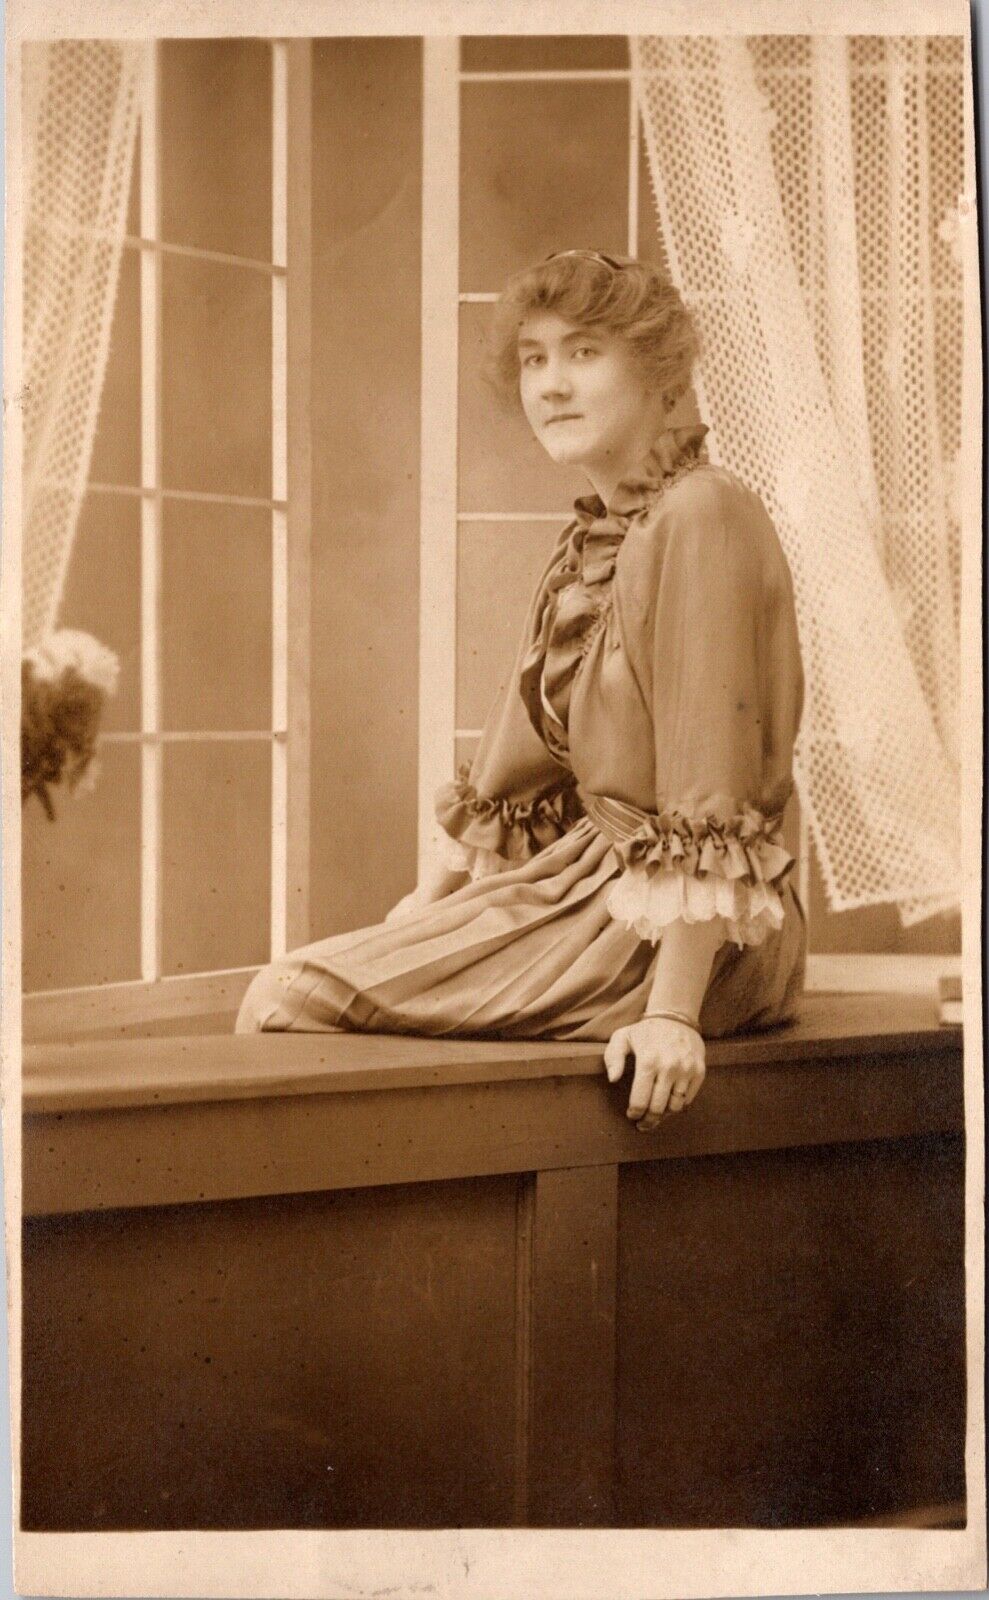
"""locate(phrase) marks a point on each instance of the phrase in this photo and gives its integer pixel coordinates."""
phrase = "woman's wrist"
(671, 1014)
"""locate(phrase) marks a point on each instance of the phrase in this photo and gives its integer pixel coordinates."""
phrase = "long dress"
(633, 770)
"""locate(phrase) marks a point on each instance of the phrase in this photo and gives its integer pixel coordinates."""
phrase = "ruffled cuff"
(515, 830)
(679, 869)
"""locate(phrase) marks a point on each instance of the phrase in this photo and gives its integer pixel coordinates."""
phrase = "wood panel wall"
(402, 1283)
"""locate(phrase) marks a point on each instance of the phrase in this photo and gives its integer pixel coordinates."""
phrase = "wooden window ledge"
(100, 1074)
(139, 1121)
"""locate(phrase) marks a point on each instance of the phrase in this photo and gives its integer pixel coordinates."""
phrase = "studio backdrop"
(262, 464)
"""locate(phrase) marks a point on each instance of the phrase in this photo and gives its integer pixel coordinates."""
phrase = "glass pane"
(875, 929)
(116, 454)
(544, 166)
(539, 53)
(216, 145)
(216, 616)
(216, 871)
(498, 567)
(502, 466)
(82, 880)
(216, 378)
(103, 593)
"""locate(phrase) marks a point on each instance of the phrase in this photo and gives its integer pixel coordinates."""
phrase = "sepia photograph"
(492, 926)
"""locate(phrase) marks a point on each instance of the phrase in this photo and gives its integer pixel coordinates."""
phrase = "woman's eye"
(531, 360)
(586, 350)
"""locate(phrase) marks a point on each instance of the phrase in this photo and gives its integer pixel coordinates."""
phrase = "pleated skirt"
(529, 953)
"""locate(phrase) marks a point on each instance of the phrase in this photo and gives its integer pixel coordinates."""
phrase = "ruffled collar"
(670, 452)
(575, 600)
(601, 528)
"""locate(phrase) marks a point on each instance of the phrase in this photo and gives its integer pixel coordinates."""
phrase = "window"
(190, 860)
(180, 861)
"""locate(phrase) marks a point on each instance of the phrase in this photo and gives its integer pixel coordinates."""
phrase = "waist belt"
(616, 819)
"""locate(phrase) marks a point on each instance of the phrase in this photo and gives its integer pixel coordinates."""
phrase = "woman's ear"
(658, 402)
(683, 410)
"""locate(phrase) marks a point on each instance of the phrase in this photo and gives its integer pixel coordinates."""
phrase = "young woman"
(615, 871)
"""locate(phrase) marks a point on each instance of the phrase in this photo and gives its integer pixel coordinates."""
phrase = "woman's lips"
(566, 416)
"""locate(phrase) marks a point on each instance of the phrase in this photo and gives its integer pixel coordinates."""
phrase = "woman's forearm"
(683, 966)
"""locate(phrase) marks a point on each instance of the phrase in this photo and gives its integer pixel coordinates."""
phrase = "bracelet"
(671, 1015)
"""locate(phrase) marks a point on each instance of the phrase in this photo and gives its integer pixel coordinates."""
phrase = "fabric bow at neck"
(601, 528)
(576, 598)
(596, 544)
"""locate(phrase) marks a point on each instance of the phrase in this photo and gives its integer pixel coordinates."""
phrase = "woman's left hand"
(669, 1067)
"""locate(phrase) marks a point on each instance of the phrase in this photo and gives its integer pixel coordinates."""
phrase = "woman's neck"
(604, 476)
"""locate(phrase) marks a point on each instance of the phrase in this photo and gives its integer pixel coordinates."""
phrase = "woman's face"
(584, 395)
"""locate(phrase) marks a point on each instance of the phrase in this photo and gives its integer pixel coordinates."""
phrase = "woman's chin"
(565, 452)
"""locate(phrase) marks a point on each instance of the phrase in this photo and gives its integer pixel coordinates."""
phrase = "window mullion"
(279, 491)
(438, 411)
(151, 515)
(633, 169)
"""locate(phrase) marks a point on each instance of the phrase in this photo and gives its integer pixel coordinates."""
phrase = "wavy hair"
(632, 299)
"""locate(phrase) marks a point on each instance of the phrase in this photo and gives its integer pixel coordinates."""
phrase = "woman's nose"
(555, 382)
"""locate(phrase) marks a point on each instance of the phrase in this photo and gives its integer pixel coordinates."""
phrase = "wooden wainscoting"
(337, 1281)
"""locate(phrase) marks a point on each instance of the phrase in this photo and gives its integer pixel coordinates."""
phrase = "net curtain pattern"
(81, 109)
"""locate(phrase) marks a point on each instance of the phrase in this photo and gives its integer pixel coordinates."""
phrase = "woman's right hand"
(669, 1062)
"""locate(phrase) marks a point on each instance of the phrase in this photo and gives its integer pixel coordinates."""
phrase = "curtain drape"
(808, 195)
(81, 102)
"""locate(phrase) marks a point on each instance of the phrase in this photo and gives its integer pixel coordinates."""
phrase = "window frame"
(290, 507)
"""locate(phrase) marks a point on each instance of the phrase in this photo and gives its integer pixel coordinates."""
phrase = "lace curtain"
(809, 202)
(81, 102)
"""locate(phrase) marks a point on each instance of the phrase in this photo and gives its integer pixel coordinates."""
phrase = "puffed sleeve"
(514, 798)
(722, 661)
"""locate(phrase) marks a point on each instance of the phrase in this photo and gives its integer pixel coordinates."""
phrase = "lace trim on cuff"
(692, 869)
(647, 902)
